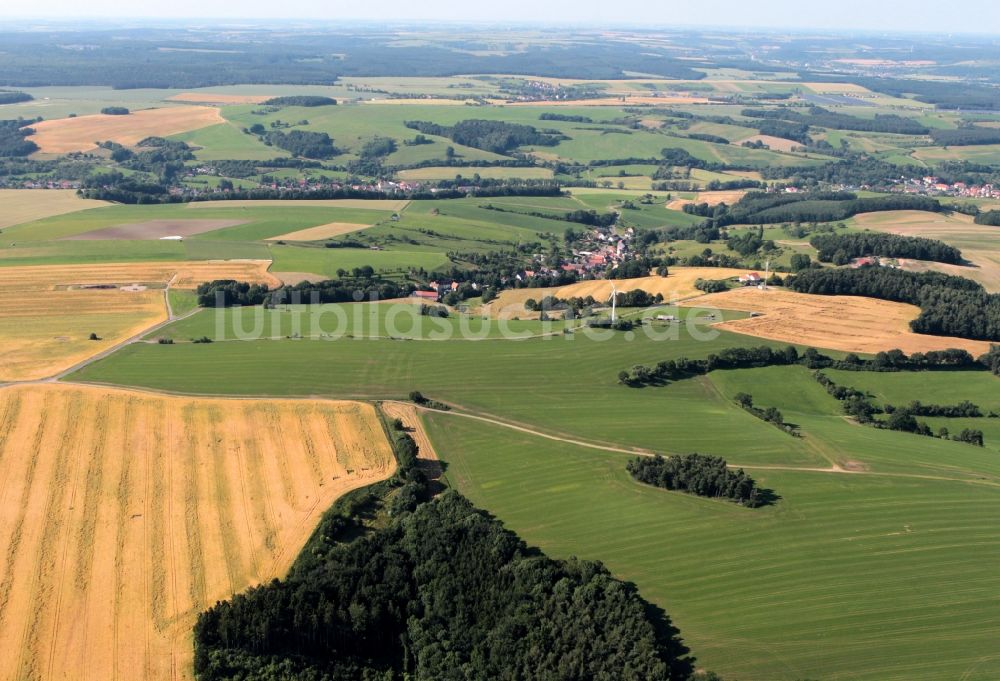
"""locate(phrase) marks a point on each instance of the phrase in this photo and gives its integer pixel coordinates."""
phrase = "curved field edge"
(108, 559)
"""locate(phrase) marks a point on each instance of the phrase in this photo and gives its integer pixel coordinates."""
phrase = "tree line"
(824, 118)
(681, 368)
(771, 208)
(702, 475)
(769, 414)
(966, 136)
(840, 249)
(857, 405)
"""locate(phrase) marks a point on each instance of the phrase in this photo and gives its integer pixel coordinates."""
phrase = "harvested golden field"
(395, 205)
(678, 285)
(47, 313)
(125, 514)
(728, 197)
(18, 206)
(847, 323)
(218, 98)
(65, 135)
(775, 143)
(321, 232)
(980, 244)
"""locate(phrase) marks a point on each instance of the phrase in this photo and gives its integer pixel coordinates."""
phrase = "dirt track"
(124, 514)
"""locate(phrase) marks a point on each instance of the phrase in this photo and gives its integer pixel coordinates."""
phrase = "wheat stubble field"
(124, 514)
(47, 312)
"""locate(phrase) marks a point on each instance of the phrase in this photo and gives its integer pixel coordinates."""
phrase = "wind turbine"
(614, 302)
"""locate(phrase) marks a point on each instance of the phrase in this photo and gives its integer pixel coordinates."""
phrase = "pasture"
(866, 576)
(557, 380)
(65, 135)
(126, 514)
(846, 323)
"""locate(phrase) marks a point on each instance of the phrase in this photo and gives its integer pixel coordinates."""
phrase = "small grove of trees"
(989, 217)
(841, 248)
(705, 476)
(14, 97)
(711, 285)
(301, 100)
(229, 292)
(496, 136)
(115, 111)
(303, 143)
(377, 147)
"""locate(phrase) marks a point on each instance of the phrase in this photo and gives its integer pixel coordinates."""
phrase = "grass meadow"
(861, 577)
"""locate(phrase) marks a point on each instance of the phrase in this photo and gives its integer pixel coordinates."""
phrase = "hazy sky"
(882, 15)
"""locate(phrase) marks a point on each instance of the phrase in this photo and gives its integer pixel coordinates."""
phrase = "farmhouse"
(425, 295)
(750, 279)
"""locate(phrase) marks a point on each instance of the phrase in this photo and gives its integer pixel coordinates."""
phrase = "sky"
(852, 15)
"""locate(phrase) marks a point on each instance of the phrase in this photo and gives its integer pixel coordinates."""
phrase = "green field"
(860, 577)
(852, 575)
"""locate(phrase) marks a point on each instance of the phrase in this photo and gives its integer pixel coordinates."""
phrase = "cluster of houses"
(599, 251)
(934, 186)
(45, 184)
(876, 261)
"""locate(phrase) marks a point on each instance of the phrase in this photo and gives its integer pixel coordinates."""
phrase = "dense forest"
(13, 139)
(949, 305)
(440, 592)
(841, 248)
(496, 136)
(705, 476)
(178, 58)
